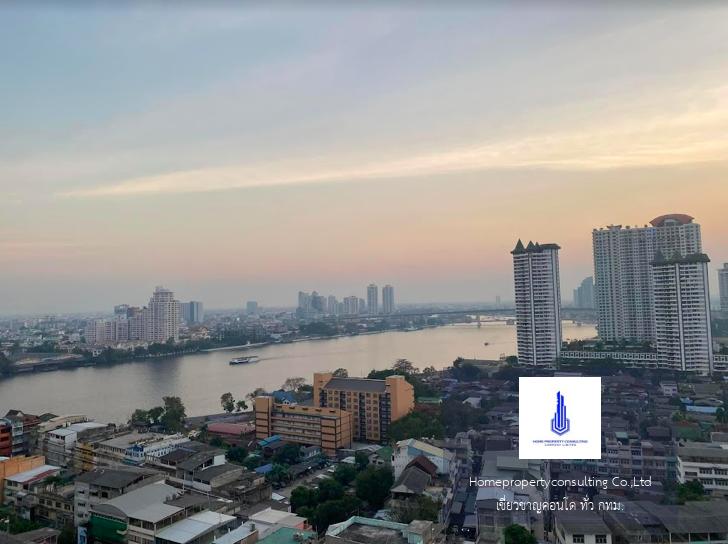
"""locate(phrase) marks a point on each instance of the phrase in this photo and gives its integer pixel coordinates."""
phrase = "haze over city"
(235, 155)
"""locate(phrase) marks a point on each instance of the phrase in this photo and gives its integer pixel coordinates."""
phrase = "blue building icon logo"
(560, 424)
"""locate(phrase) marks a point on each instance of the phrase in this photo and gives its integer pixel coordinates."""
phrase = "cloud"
(694, 136)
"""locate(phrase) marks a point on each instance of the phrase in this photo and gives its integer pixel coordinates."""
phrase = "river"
(111, 393)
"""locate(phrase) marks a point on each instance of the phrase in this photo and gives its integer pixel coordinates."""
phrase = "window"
(601, 539)
(577, 539)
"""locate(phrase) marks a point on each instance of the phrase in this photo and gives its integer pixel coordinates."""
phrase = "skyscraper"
(388, 299)
(251, 307)
(723, 287)
(192, 312)
(164, 312)
(584, 294)
(372, 299)
(332, 305)
(538, 302)
(351, 305)
(624, 291)
(682, 312)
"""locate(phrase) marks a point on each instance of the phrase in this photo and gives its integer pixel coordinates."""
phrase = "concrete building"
(251, 307)
(164, 315)
(59, 445)
(103, 484)
(328, 428)
(584, 294)
(23, 432)
(351, 305)
(372, 299)
(388, 299)
(358, 529)
(193, 312)
(332, 305)
(623, 274)
(581, 528)
(682, 312)
(373, 404)
(706, 462)
(538, 302)
(408, 450)
(136, 448)
(21, 484)
(723, 288)
(15, 465)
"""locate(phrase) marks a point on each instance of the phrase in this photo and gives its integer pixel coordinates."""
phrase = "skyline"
(246, 154)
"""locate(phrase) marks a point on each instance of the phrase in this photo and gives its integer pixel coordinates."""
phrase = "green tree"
(278, 474)
(241, 406)
(340, 373)
(373, 485)
(424, 508)
(217, 442)
(416, 425)
(345, 473)
(361, 460)
(293, 384)
(692, 490)
(330, 490)
(173, 419)
(288, 454)
(518, 534)
(257, 392)
(302, 497)
(227, 402)
(155, 415)
(236, 454)
(140, 417)
(403, 366)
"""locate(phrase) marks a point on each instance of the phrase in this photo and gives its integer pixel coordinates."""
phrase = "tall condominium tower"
(351, 305)
(682, 312)
(164, 313)
(192, 312)
(584, 294)
(624, 291)
(388, 299)
(538, 302)
(372, 299)
(723, 286)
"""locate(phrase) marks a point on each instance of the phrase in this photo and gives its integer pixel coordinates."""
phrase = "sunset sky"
(233, 153)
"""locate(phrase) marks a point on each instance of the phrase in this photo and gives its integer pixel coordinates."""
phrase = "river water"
(112, 393)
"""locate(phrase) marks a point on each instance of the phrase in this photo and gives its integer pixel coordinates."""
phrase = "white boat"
(244, 360)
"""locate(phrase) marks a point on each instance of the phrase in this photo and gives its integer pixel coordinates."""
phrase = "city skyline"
(243, 171)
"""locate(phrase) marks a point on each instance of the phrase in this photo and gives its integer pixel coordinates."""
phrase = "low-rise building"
(23, 484)
(9, 466)
(407, 450)
(705, 462)
(358, 529)
(581, 528)
(328, 428)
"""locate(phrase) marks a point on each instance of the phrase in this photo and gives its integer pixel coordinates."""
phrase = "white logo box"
(573, 432)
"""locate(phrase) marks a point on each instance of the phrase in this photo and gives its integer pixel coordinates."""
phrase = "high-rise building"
(351, 305)
(682, 312)
(362, 306)
(163, 322)
(723, 287)
(372, 299)
(304, 302)
(192, 312)
(373, 404)
(538, 302)
(584, 294)
(388, 299)
(332, 305)
(623, 274)
(251, 307)
(318, 303)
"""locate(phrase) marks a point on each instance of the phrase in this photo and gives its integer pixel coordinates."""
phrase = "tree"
(373, 485)
(416, 425)
(227, 402)
(140, 417)
(345, 473)
(217, 442)
(340, 373)
(692, 490)
(278, 474)
(518, 534)
(293, 384)
(174, 414)
(361, 460)
(257, 392)
(429, 371)
(330, 490)
(155, 415)
(241, 406)
(5, 365)
(403, 366)
(236, 454)
(288, 454)
(302, 497)
(423, 508)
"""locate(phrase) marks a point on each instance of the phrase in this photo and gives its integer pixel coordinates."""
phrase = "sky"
(237, 151)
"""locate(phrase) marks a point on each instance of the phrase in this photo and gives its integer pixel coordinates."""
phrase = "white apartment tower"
(682, 312)
(623, 282)
(372, 299)
(723, 286)
(538, 302)
(388, 299)
(163, 318)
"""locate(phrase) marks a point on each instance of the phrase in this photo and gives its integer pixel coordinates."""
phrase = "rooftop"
(287, 535)
(115, 478)
(359, 385)
(194, 527)
(147, 503)
(671, 219)
(582, 523)
(34, 474)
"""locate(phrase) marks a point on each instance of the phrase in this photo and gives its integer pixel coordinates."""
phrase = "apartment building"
(373, 404)
(538, 303)
(328, 428)
(706, 462)
(581, 528)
